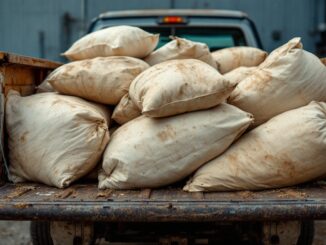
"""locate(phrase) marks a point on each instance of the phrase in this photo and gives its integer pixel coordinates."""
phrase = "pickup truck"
(82, 214)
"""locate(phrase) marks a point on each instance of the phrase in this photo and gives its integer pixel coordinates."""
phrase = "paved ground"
(17, 233)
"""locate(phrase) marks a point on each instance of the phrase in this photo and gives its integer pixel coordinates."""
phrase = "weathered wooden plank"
(10, 58)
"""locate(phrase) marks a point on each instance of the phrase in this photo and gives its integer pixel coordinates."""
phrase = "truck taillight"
(172, 20)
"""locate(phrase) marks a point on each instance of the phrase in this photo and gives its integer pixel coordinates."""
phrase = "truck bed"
(85, 202)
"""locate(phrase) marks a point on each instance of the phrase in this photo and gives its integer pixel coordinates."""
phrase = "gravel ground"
(320, 233)
(17, 233)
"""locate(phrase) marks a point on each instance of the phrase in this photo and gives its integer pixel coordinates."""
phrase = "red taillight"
(173, 20)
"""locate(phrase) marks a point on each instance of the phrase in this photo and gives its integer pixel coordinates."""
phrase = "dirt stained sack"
(181, 48)
(178, 86)
(290, 77)
(54, 139)
(149, 153)
(113, 41)
(237, 75)
(287, 150)
(125, 111)
(229, 59)
(105, 79)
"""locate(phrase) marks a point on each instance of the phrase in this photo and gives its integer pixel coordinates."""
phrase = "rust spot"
(291, 193)
(104, 194)
(145, 193)
(19, 191)
(21, 205)
(246, 194)
(66, 193)
(198, 195)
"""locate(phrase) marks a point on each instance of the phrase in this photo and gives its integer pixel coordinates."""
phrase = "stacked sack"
(58, 136)
(174, 105)
(180, 109)
(287, 147)
(183, 125)
(181, 122)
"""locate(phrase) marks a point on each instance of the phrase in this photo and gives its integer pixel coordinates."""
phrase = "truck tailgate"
(86, 202)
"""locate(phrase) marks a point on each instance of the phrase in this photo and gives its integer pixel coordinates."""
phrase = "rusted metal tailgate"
(86, 202)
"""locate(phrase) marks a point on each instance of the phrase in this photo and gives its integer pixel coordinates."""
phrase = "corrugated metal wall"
(36, 27)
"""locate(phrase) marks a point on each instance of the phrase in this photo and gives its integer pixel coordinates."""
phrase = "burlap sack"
(180, 48)
(113, 41)
(104, 80)
(148, 152)
(54, 139)
(229, 59)
(289, 78)
(178, 86)
(287, 150)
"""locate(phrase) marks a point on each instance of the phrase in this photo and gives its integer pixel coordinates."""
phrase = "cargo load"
(113, 41)
(178, 86)
(149, 153)
(290, 77)
(287, 150)
(104, 80)
(181, 48)
(54, 139)
(229, 59)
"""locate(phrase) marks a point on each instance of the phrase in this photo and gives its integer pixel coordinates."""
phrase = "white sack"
(180, 48)
(230, 58)
(178, 86)
(287, 150)
(54, 139)
(289, 78)
(125, 111)
(148, 153)
(113, 41)
(239, 74)
(104, 80)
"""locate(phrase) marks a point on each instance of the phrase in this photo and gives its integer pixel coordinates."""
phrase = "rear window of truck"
(215, 38)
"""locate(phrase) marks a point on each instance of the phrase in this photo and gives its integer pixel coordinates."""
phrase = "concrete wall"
(35, 27)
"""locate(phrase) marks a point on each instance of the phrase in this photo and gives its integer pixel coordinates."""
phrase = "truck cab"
(217, 28)
(82, 213)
